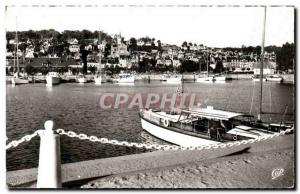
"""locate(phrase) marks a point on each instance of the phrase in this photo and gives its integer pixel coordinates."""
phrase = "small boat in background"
(81, 79)
(99, 78)
(124, 78)
(206, 79)
(256, 78)
(222, 77)
(173, 79)
(52, 78)
(17, 80)
(274, 78)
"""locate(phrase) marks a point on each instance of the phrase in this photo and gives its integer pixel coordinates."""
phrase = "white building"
(74, 48)
(269, 68)
(176, 63)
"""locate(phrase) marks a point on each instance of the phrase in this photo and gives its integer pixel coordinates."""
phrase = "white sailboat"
(208, 78)
(99, 78)
(52, 78)
(17, 79)
(274, 78)
(81, 79)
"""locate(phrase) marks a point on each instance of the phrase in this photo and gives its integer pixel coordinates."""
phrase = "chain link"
(83, 136)
(25, 138)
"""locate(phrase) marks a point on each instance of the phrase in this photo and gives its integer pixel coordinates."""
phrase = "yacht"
(205, 126)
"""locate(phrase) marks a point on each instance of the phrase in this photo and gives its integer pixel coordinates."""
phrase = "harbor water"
(76, 107)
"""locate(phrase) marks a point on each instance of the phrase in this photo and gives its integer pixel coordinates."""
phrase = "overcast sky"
(211, 26)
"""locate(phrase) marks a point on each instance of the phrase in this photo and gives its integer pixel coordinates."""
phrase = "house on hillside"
(74, 47)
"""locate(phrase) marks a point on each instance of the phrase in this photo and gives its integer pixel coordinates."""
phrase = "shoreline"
(189, 77)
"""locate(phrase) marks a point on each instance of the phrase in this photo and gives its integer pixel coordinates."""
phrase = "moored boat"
(206, 79)
(274, 78)
(176, 79)
(124, 78)
(17, 80)
(256, 78)
(81, 79)
(204, 126)
(52, 78)
(99, 78)
(222, 77)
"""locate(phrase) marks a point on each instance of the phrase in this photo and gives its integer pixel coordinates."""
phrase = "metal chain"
(83, 136)
(26, 138)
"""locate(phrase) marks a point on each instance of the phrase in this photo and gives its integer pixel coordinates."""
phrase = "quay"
(243, 166)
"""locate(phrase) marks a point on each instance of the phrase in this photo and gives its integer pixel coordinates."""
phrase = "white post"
(49, 170)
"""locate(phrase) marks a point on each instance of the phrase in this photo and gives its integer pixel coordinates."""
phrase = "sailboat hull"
(125, 80)
(173, 80)
(274, 79)
(52, 80)
(205, 79)
(18, 81)
(173, 136)
(99, 80)
(81, 80)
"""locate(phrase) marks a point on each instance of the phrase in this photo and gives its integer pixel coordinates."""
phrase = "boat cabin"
(206, 123)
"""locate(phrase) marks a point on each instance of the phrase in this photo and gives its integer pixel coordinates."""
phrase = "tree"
(219, 67)
(84, 54)
(286, 56)
(184, 44)
(159, 48)
(132, 44)
(189, 66)
(257, 50)
(29, 69)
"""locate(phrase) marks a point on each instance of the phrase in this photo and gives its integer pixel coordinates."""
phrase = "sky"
(211, 26)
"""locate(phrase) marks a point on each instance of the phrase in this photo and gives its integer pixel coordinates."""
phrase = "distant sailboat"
(207, 78)
(17, 79)
(99, 78)
(82, 78)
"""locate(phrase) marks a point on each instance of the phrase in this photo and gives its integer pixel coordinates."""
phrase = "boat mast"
(17, 42)
(99, 69)
(207, 62)
(262, 63)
